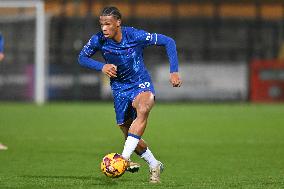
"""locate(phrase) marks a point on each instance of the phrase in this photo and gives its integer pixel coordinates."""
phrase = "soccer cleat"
(3, 147)
(133, 167)
(155, 173)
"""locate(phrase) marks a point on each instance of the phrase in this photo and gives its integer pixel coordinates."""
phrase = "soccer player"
(2, 146)
(1, 47)
(132, 87)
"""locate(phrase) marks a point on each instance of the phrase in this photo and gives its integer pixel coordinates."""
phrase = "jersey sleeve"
(1, 44)
(88, 51)
(147, 39)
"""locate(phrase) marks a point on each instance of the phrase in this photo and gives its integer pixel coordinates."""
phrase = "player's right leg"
(3, 147)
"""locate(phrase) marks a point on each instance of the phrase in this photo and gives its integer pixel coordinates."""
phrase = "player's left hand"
(175, 79)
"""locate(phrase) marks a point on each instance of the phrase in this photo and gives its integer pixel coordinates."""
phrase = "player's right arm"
(1, 48)
(88, 51)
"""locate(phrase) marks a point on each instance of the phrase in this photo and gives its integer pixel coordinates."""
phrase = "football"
(113, 165)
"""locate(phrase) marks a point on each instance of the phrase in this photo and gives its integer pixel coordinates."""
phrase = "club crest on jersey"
(130, 51)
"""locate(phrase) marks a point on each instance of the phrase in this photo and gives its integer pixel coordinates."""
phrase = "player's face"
(110, 26)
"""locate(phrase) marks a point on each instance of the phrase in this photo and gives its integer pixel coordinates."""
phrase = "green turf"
(201, 145)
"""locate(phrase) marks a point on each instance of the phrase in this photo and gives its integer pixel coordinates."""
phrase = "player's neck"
(118, 37)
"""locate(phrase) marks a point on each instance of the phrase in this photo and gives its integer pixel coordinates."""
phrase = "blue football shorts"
(123, 101)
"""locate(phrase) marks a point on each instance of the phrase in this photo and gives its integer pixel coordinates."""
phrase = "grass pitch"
(201, 145)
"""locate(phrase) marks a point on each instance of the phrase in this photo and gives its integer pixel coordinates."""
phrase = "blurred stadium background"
(228, 50)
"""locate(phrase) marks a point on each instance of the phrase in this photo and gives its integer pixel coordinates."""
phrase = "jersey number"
(144, 85)
(148, 37)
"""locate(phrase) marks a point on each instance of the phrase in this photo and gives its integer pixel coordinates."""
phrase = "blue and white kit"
(132, 75)
(1, 43)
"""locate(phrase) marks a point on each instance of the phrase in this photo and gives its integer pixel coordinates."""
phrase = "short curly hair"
(111, 11)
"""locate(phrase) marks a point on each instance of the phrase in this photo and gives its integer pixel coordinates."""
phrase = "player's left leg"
(143, 104)
(132, 166)
(142, 150)
(141, 146)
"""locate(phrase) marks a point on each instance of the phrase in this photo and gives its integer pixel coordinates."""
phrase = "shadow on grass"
(72, 180)
(59, 177)
(56, 181)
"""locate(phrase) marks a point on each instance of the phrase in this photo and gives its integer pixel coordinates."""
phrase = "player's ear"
(118, 22)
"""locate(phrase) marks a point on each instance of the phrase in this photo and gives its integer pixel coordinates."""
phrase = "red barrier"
(267, 81)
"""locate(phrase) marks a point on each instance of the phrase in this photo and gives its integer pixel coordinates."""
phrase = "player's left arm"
(170, 46)
(162, 40)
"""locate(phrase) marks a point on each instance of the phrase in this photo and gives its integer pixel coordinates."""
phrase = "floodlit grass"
(202, 146)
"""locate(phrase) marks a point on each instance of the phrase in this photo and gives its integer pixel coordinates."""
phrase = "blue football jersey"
(1, 43)
(127, 55)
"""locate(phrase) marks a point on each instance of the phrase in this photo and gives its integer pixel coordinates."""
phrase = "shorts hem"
(120, 123)
(143, 92)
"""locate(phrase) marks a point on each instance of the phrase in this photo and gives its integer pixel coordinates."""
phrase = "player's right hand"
(110, 70)
(1, 56)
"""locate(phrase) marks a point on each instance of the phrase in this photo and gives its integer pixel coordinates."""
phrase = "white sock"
(150, 159)
(130, 145)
